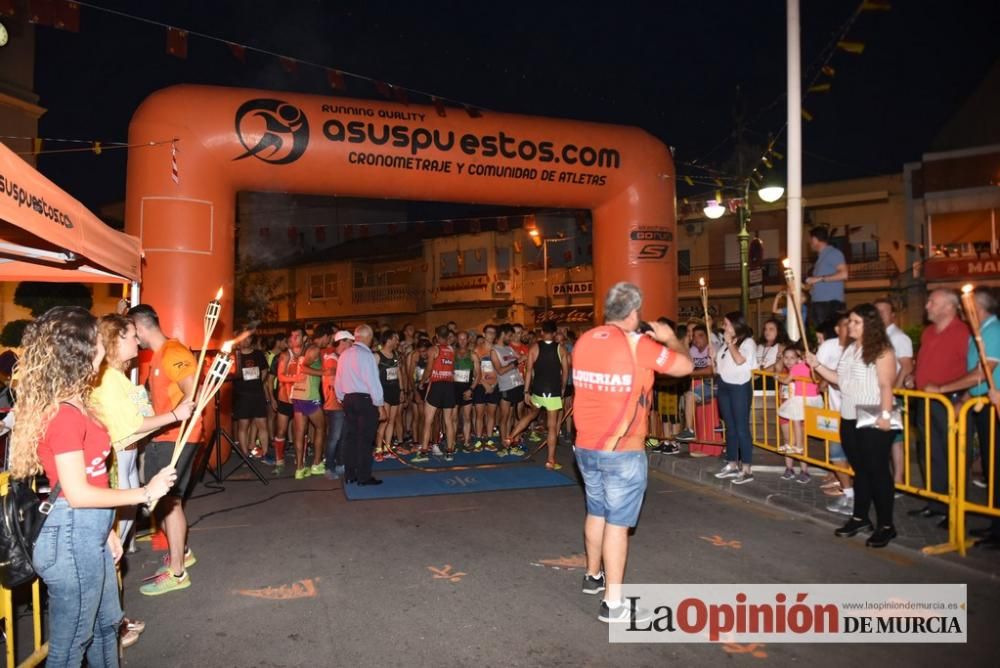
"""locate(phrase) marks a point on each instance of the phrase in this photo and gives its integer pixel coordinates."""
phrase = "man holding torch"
(172, 379)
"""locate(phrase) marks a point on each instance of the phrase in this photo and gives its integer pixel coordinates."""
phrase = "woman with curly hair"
(57, 432)
(866, 374)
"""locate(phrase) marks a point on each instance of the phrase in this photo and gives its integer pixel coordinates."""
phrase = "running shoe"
(789, 474)
(668, 448)
(743, 478)
(652, 443)
(420, 457)
(256, 452)
(803, 478)
(728, 471)
(436, 451)
(593, 584)
(279, 468)
(535, 437)
(502, 452)
(268, 460)
(189, 561)
(516, 451)
(553, 466)
(685, 435)
(623, 613)
(378, 456)
(318, 469)
(490, 446)
(449, 456)
(165, 583)
(302, 473)
(842, 506)
(478, 445)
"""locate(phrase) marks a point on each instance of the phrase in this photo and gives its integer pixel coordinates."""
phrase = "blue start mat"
(458, 482)
(461, 459)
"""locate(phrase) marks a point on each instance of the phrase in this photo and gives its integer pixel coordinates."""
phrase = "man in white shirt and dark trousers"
(360, 392)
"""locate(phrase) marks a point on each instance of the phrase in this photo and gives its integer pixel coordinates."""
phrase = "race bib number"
(392, 373)
(487, 366)
(461, 375)
(251, 373)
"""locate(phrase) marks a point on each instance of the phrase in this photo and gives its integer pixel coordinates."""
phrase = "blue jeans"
(614, 482)
(334, 427)
(72, 558)
(734, 408)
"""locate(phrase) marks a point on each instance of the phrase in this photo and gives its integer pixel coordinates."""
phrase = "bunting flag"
(177, 42)
(400, 94)
(777, 155)
(6, 7)
(383, 89)
(66, 16)
(828, 71)
(239, 51)
(290, 65)
(806, 115)
(687, 180)
(819, 88)
(38, 144)
(41, 12)
(336, 80)
(717, 181)
(857, 48)
(97, 148)
(439, 106)
(473, 112)
(875, 6)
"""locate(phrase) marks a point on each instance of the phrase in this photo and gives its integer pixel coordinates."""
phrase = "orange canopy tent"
(47, 235)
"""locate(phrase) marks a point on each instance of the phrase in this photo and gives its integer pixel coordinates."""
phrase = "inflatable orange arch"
(230, 139)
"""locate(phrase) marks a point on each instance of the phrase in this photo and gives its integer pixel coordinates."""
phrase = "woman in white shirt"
(735, 361)
(865, 374)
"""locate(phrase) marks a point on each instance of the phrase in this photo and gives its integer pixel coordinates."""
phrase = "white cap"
(341, 335)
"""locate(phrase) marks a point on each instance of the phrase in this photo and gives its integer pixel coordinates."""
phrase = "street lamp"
(714, 209)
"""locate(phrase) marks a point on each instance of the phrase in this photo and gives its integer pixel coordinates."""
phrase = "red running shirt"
(613, 387)
(443, 369)
(71, 430)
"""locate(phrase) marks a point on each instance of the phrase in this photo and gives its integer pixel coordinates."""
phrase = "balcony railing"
(728, 275)
(384, 294)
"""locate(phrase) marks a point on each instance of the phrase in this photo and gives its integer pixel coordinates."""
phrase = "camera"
(645, 327)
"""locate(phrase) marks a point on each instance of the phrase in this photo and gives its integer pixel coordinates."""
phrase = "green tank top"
(463, 368)
(314, 381)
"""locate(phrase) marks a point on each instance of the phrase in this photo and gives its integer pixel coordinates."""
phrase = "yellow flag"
(857, 48)
(777, 155)
(718, 182)
(875, 6)
(38, 145)
(97, 148)
(828, 71)
(820, 88)
(687, 180)
(806, 115)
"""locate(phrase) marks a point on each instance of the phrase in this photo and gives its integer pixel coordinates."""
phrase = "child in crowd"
(801, 393)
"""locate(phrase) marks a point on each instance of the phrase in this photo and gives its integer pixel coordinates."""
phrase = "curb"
(686, 469)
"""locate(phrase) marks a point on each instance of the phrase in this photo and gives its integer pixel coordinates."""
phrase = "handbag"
(22, 515)
(868, 417)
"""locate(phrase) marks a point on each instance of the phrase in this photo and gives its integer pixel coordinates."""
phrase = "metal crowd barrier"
(41, 650)
(962, 502)
(670, 398)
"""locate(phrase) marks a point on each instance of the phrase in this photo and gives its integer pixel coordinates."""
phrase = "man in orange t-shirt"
(613, 370)
(171, 379)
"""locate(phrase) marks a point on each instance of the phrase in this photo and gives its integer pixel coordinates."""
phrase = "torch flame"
(227, 348)
(701, 282)
(786, 263)
(218, 295)
(967, 288)
(235, 342)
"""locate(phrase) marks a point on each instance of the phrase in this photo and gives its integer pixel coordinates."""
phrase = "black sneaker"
(623, 614)
(593, 584)
(881, 537)
(853, 527)
(667, 448)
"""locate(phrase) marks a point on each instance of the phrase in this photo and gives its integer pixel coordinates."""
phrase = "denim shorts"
(615, 483)
(837, 453)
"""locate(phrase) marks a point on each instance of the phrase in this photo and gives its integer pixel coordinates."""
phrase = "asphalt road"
(292, 574)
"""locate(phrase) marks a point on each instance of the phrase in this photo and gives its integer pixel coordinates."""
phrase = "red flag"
(383, 89)
(320, 234)
(336, 79)
(66, 16)
(7, 7)
(41, 12)
(177, 42)
(290, 65)
(239, 51)
(473, 112)
(400, 95)
(439, 105)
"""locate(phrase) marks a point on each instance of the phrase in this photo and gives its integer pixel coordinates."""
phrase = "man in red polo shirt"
(941, 359)
(613, 369)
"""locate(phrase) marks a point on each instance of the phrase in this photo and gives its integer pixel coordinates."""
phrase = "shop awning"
(47, 235)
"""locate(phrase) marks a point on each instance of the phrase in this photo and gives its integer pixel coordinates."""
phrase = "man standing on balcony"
(829, 275)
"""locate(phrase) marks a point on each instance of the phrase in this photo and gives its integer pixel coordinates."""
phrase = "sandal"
(136, 625)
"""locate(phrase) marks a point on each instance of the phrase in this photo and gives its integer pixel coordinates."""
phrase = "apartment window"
(449, 264)
(316, 286)
(474, 262)
(684, 262)
(502, 258)
(330, 285)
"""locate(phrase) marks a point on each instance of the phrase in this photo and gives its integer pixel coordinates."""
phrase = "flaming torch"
(793, 302)
(972, 316)
(704, 300)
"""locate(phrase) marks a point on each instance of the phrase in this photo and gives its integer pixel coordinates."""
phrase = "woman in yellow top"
(124, 407)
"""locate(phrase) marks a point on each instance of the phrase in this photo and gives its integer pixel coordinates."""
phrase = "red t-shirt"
(330, 402)
(942, 355)
(613, 389)
(72, 430)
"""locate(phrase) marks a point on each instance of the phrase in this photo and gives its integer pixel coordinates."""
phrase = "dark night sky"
(671, 68)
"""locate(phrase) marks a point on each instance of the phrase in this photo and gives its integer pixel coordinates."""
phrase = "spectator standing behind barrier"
(613, 368)
(942, 357)
(829, 276)
(903, 347)
(865, 376)
(836, 340)
(770, 348)
(975, 382)
(735, 361)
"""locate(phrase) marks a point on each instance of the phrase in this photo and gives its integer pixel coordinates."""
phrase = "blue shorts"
(837, 453)
(615, 483)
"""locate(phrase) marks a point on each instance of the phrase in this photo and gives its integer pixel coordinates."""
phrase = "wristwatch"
(886, 415)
